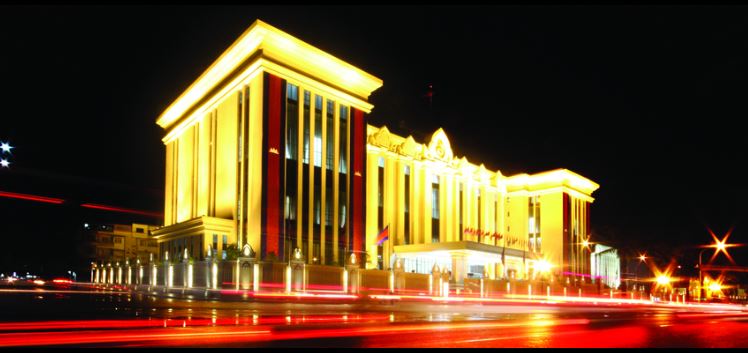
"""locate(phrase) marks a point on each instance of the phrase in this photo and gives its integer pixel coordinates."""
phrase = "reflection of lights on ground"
(217, 334)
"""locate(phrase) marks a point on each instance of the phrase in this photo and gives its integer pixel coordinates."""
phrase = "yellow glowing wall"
(551, 229)
(502, 207)
(517, 220)
(254, 172)
(185, 147)
(226, 153)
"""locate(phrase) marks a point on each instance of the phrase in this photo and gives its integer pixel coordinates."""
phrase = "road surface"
(94, 318)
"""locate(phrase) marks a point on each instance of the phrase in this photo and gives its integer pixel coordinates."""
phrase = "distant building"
(119, 242)
(606, 265)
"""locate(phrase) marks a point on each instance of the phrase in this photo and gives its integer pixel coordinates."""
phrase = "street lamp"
(642, 258)
(719, 246)
(701, 277)
(663, 280)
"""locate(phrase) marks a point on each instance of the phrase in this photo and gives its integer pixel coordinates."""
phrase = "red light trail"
(119, 209)
(52, 200)
(13, 195)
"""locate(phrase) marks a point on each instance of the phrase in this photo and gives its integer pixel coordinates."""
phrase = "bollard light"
(256, 278)
(215, 276)
(288, 279)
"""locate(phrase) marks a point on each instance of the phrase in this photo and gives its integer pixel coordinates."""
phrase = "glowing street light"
(543, 266)
(642, 258)
(4, 163)
(663, 280)
(719, 246)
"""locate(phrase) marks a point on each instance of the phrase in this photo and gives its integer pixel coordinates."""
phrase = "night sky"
(646, 101)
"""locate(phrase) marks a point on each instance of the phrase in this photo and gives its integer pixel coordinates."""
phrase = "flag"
(383, 235)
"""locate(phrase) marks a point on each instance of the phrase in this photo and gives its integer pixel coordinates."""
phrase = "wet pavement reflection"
(54, 318)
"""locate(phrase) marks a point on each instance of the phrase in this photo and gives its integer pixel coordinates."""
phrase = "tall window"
(496, 214)
(533, 212)
(330, 135)
(306, 209)
(317, 209)
(329, 245)
(380, 209)
(479, 215)
(380, 190)
(406, 221)
(291, 170)
(292, 121)
(459, 212)
(343, 237)
(306, 126)
(317, 131)
(343, 157)
(435, 209)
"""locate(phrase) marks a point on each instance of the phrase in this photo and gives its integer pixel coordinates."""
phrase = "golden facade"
(443, 210)
(266, 148)
(269, 147)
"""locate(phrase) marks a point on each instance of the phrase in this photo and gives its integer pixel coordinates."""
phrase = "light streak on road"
(151, 331)
(59, 291)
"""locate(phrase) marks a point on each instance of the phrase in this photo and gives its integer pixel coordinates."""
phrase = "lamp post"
(642, 258)
(701, 277)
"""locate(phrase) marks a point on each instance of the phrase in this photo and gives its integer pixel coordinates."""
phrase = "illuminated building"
(119, 242)
(443, 210)
(270, 147)
(267, 148)
(605, 265)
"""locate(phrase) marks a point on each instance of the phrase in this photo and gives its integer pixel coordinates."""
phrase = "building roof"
(439, 149)
(552, 178)
(263, 41)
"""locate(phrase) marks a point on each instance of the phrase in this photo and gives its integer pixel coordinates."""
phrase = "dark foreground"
(90, 318)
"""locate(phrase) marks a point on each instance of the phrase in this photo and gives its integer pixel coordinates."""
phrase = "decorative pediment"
(381, 138)
(410, 148)
(439, 147)
(463, 163)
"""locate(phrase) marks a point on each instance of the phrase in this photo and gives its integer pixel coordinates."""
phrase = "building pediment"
(381, 138)
(410, 148)
(439, 147)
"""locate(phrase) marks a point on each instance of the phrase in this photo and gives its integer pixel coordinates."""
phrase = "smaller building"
(605, 265)
(118, 242)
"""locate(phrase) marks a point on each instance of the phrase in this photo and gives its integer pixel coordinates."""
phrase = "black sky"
(647, 101)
